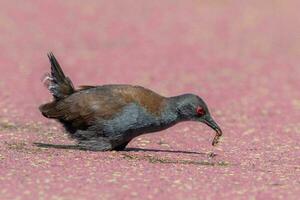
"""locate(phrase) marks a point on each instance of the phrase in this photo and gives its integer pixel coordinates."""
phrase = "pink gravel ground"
(242, 57)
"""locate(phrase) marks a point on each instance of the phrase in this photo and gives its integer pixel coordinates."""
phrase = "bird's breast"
(132, 121)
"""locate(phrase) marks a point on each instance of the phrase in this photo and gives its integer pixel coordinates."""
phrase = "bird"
(108, 117)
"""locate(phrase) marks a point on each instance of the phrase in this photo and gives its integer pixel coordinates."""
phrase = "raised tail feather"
(58, 84)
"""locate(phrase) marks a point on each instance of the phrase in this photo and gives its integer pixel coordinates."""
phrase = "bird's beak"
(212, 124)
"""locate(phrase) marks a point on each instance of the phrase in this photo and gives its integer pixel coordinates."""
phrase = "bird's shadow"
(162, 150)
(130, 149)
(59, 146)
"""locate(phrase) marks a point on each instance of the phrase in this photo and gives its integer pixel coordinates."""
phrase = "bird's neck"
(170, 114)
(176, 102)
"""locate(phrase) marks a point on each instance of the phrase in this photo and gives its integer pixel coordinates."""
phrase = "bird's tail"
(59, 86)
(57, 83)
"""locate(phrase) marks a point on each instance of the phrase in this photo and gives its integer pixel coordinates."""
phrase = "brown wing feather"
(85, 87)
(148, 99)
(82, 108)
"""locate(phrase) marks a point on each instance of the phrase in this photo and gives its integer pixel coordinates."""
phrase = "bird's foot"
(121, 147)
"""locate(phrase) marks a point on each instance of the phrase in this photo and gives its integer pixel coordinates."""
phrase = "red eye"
(200, 111)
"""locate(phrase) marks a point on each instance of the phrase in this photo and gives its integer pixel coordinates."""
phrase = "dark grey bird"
(108, 117)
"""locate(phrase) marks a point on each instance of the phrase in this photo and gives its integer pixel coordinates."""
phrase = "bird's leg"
(121, 147)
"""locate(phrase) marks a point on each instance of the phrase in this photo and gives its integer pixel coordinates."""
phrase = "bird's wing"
(84, 107)
(85, 87)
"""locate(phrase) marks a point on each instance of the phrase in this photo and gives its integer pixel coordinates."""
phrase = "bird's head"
(191, 107)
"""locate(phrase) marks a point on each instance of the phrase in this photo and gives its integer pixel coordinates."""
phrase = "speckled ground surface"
(242, 58)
